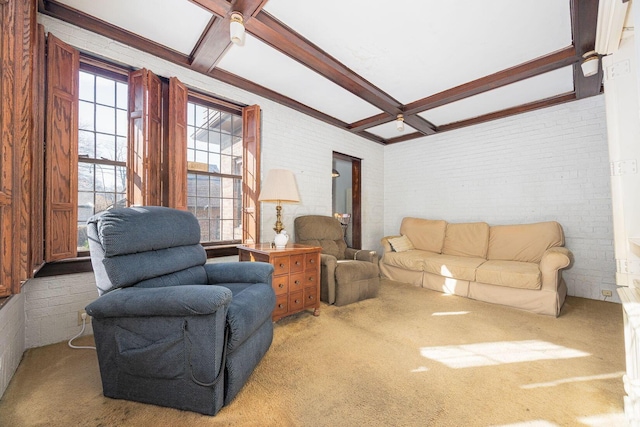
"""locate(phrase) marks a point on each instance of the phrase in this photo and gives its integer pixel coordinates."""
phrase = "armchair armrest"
(361, 255)
(239, 272)
(186, 300)
(328, 265)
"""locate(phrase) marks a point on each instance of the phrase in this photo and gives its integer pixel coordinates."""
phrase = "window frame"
(214, 103)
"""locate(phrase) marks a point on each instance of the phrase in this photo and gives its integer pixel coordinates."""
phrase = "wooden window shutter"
(61, 153)
(251, 174)
(145, 138)
(175, 152)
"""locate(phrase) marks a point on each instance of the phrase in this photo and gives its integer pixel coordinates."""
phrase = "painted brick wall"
(549, 164)
(12, 341)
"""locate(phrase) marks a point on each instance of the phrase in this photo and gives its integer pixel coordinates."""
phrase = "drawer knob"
(297, 262)
(313, 261)
(281, 285)
(297, 282)
(280, 305)
(297, 301)
(281, 265)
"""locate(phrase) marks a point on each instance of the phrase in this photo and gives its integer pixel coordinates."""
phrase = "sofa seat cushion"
(512, 274)
(410, 260)
(455, 267)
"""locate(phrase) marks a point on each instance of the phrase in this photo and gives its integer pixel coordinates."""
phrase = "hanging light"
(236, 28)
(400, 123)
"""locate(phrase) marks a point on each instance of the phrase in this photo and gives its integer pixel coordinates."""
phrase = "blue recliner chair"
(170, 329)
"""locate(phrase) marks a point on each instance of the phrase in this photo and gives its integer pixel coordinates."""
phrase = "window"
(214, 178)
(116, 137)
(102, 146)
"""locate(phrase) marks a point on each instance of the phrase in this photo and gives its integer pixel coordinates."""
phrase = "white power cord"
(84, 324)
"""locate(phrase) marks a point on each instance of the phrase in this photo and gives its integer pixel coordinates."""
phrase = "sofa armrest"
(386, 246)
(328, 265)
(553, 260)
(361, 255)
(170, 301)
(239, 272)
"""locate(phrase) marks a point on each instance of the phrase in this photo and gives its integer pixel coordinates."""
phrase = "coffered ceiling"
(357, 64)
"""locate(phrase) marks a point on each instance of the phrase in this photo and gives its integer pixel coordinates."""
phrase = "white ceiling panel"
(152, 19)
(415, 48)
(389, 130)
(533, 89)
(267, 67)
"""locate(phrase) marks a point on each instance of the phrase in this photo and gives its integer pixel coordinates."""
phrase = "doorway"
(346, 196)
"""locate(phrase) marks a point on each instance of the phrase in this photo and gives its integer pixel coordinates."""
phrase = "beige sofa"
(514, 265)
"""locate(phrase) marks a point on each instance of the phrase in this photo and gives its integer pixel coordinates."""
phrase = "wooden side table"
(296, 275)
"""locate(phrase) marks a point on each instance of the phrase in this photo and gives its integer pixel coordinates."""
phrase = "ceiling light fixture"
(236, 28)
(400, 123)
(590, 64)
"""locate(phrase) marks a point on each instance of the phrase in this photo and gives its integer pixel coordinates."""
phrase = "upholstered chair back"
(129, 248)
(323, 231)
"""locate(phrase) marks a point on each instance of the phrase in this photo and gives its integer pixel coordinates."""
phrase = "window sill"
(83, 264)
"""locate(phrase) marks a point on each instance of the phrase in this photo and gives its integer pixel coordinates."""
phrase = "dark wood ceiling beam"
(584, 18)
(370, 122)
(420, 124)
(280, 37)
(553, 61)
(255, 88)
(405, 137)
(536, 105)
(215, 42)
(82, 20)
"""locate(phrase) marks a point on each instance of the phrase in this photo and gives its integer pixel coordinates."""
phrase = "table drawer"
(310, 296)
(281, 265)
(296, 301)
(280, 284)
(282, 306)
(297, 263)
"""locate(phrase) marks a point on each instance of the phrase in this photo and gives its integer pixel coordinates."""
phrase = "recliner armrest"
(185, 300)
(361, 255)
(239, 272)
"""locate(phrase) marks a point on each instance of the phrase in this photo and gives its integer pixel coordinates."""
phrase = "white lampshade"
(236, 28)
(280, 187)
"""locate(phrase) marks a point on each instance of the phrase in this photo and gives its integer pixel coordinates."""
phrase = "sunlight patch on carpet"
(605, 420)
(449, 313)
(535, 423)
(498, 353)
(575, 380)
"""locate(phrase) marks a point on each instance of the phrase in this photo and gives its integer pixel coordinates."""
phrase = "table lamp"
(279, 187)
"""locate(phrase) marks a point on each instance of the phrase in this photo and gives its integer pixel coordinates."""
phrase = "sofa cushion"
(410, 260)
(455, 267)
(513, 274)
(425, 234)
(469, 239)
(523, 242)
(401, 244)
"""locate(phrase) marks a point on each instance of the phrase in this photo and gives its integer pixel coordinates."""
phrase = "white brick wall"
(12, 343)
(549, 164)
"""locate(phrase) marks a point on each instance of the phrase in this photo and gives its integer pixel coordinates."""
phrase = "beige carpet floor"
(411, 357)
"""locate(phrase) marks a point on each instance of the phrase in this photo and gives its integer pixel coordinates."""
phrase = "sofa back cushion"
(469, 239)
(523, 242)
(425, 234)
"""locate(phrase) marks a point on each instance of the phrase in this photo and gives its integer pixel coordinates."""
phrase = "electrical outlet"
(80, 313)
(607, 292)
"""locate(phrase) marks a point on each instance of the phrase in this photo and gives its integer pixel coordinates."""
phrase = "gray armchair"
(170, 329)
(347, 275)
